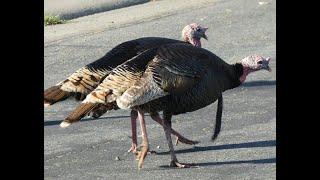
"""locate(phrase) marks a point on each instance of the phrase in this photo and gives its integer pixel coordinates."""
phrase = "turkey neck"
(233, 74)
(226, 76)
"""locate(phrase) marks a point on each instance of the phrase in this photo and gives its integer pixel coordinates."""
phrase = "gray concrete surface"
(76, 8)
(246, 147)
(118, 18)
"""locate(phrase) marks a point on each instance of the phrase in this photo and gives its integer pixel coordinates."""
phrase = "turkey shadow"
(268, 143)
(255, 161)
(56, 122)
(259, 83)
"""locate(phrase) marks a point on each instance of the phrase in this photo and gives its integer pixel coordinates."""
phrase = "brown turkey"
(86, 79)
(173, 78)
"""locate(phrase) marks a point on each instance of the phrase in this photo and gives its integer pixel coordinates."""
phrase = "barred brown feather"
(54, 94)
(114, 85)
(83, 81)
(80, 112)
(87, 78)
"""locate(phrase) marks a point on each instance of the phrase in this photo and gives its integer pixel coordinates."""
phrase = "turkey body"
(174, 78)
(87, 78)
(188, 79)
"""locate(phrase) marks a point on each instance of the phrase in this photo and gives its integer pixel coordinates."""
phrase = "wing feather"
(173, 70)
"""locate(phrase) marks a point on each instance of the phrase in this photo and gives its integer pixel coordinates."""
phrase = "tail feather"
(82, 110)
(101, 109)
(217, 127)
(55, 94)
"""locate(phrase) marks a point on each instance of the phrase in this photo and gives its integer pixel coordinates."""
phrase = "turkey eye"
(259, 62)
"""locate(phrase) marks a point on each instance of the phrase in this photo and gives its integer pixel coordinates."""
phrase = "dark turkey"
(173, 78)
(86, 79)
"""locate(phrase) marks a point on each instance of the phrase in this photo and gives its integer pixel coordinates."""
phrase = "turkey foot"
(174, 163)
(133, 148)
(135, 151)
(142, 153)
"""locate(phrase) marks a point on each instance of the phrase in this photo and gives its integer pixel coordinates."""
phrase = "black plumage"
(173, 78)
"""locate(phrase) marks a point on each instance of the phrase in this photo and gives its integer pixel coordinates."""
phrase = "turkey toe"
(182, 165)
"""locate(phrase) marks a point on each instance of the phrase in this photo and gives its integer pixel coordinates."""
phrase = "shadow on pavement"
(268, 143)
(255, 161)
(259, 83)
(57, 122)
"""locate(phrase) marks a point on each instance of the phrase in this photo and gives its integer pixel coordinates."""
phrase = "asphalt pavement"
(246, 146)
(74, 8)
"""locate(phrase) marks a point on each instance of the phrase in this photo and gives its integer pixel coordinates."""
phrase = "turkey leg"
(174, 161)
(145, 143)
(99, 111)
(133, 116)
(180, 138)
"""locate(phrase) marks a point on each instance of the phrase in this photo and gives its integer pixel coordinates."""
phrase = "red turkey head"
(192, 33)
(254, 63)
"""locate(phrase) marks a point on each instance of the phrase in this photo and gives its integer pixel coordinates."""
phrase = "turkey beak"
(204, 29)
(204, 36)
(265, 65)
(268, 68)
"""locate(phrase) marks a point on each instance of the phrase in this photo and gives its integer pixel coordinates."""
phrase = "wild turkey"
(191, 33)
(86, 79)
(174, 78)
